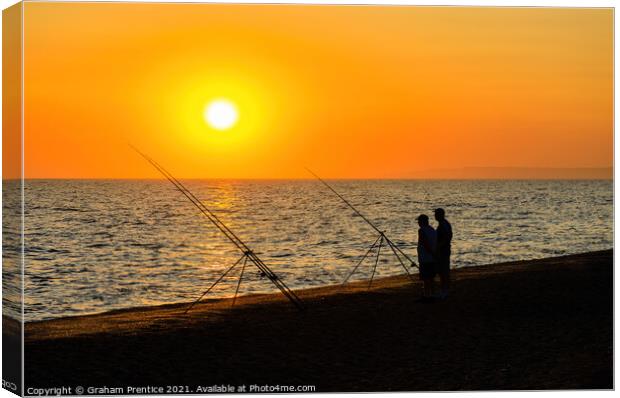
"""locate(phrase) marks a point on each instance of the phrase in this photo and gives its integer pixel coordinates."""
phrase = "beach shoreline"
(536, 324)
(222, 303)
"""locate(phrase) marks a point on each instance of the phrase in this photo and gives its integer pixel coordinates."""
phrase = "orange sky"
(355, 92)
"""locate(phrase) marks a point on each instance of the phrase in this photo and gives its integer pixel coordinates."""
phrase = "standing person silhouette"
(444, 242)
(427, 244)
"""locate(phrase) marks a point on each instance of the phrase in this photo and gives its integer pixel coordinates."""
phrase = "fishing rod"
(378, 243)
(248, 254)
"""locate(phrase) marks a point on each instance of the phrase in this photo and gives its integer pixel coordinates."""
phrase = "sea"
(96, 245)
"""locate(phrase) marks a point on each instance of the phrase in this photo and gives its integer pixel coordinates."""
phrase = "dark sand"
(544, 324)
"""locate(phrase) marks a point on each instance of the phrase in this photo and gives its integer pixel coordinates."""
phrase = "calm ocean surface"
(97, 245)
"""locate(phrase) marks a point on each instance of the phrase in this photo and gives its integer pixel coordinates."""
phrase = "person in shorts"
(427, 241)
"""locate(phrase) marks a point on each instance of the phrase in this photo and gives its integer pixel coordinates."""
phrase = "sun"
(221, 114)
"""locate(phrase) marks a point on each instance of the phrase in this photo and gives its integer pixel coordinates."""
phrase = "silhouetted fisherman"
(444, 243)
(427, 242)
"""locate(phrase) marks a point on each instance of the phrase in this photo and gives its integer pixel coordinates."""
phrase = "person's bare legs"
(444, 276)
(444, 281)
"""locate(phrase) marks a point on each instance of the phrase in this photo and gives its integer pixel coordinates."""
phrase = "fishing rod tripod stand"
(379, 243)
(243, 258)
(380, 240)
(249, 255)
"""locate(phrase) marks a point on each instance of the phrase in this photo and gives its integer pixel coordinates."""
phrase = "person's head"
(440, 214)
(422, 220)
